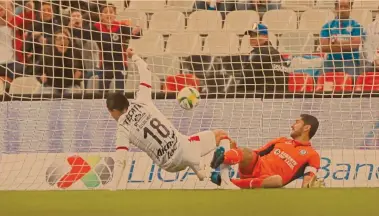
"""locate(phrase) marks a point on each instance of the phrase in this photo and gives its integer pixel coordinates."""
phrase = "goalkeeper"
(276, 164)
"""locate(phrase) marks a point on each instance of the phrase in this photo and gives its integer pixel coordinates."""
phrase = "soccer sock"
(248, 183)
(233, 156)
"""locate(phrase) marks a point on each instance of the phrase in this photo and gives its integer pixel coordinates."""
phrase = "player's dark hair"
(312, 121)
(107, 5)
(117, 101)
(337, 2)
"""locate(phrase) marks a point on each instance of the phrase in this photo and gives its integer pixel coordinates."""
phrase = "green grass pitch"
(263, 202)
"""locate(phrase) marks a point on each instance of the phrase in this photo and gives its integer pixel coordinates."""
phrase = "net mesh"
(60, 58)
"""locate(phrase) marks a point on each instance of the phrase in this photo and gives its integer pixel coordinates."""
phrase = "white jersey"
(144, 126)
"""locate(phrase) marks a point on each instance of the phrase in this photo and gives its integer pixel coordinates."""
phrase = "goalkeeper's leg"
(274, 181)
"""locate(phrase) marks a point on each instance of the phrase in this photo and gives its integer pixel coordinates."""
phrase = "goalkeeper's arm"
(122, 147)
(144, 93)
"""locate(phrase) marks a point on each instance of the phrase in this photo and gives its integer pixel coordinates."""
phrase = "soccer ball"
(188, 98)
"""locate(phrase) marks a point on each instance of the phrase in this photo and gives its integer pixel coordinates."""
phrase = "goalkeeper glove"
(316, 183)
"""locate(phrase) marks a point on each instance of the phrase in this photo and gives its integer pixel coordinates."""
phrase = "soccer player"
(140, 123)
(275, 164)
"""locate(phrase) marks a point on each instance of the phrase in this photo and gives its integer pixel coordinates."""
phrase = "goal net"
(258, 67)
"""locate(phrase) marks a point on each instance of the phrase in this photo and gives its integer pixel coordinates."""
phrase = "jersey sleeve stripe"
(145, 84)
(122, 148)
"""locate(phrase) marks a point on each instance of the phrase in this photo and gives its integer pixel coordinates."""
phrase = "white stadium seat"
(180, 5)
(363, 16)
(297, 5)
(25, 85)
(245, 43)
(303, 63)
(329, 4)
(164, 65)
(204, 22)
(279, 21)
(184, 44)
(2, 87)
(147, 6)
(148, 45)
(221, 44)
(136, 17)
(296, 42)
(312, 20)
(366, 4)
(239, 21)
(167, 22)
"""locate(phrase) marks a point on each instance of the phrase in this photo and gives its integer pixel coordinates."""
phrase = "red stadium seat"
(335, 81)
(300, 82)
(178, 82)
(368, 81)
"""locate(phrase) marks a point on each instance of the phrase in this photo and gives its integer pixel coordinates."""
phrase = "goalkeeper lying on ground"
(275, 164)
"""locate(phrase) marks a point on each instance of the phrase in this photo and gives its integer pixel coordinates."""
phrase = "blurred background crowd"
(214, 45)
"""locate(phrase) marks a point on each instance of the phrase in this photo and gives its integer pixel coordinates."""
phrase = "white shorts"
(191, 149)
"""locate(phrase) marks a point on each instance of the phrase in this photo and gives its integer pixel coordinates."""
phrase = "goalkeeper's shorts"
(256, 169)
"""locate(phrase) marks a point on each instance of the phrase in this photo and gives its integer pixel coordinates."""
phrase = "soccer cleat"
(216, 178)
(218, 157)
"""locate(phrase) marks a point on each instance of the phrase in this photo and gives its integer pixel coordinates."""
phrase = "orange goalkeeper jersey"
(288, 158)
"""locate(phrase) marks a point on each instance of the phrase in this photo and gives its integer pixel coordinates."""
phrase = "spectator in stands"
(20, 23)
(220, 5)
(341, 39)
(266, 70)
(371, 44)
(111, 37)
(259, 5)
(8, 65)
(41, 31)
(88, 48)
(61, 66)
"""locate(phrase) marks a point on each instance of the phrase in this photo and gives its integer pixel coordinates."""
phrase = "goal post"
(57, 133)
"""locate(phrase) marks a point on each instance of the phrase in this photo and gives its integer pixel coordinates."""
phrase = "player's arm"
(122, 147)
(264, 150)
(144, 93)
(310, 172)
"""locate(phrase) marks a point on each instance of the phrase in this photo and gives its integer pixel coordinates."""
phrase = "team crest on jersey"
(303, 152)
(349, 28)
(115, 37)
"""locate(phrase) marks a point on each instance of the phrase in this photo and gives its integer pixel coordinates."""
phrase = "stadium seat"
(329, 4)
(184, 44)
(300, 82)
(147, 6)
(297, 5)
(363, 16)
(25, 85)
(136, 17)
(298, 63)
(312, 20)
(204, 22)
(368, 81)
(221, 44)
(366, 4)
(245, 43)
(166, 22)
(2, 87)
(92, 85)
(297, 42)
(164, 65)
(180, 5)
(334, 81)
(179, 81)
(233, 21)
(279, 21)
(148, 45)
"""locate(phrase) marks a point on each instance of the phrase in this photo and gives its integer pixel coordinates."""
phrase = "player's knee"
(248, 160)
(274, 181)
